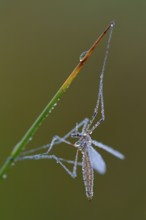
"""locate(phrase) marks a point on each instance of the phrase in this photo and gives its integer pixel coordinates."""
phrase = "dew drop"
(112, 23)
(82, 55)
(30, 139)
(4, 176)
(36, 157)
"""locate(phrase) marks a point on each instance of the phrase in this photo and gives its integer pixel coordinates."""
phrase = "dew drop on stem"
(4, 176)
(82, 56)
(30, 139)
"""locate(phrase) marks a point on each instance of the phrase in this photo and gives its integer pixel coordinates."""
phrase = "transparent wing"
(97, 161)
(109, 150)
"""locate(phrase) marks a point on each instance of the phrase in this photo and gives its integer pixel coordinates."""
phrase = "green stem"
(47, 110)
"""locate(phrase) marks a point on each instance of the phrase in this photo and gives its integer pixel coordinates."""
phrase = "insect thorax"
(83, 142)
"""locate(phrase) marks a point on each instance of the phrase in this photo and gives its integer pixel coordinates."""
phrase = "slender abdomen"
(88, 174)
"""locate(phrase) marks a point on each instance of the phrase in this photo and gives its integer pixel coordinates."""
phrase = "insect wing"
(109, 150)
(97, 161)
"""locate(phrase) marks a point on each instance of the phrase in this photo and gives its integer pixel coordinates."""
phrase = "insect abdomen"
(88, 175)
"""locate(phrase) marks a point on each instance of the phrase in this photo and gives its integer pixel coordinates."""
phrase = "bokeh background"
(40, 44)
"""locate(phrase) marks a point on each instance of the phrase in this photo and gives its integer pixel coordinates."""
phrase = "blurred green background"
(40, 44)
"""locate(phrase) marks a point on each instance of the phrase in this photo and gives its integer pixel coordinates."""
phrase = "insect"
(91, 159)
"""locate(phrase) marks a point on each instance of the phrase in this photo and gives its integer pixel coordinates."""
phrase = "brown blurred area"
(40, 44)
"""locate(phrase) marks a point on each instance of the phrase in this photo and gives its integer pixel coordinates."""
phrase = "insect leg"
(57, 138)
(83, 124)
(56, 142)
(100, 91)
(75, 163)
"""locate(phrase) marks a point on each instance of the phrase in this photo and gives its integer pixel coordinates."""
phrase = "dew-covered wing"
(109, 150)
(97, 161)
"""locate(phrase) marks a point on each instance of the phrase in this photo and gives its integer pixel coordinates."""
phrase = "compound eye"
(77, 144)
(75, 135)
